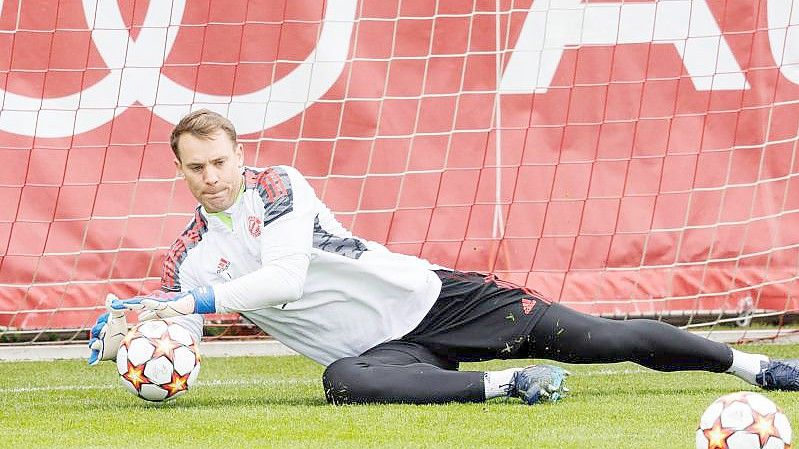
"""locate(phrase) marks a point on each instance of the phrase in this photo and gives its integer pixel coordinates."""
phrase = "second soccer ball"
(743, 420)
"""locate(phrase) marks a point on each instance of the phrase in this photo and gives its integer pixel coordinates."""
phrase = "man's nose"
(211, 176)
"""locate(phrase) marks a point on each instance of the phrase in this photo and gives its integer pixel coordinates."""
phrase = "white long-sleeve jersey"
(291, 268)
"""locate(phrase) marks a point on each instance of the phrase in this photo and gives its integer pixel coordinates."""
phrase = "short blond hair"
(202, 123)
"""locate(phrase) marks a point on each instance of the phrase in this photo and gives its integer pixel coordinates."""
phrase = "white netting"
(627, 159)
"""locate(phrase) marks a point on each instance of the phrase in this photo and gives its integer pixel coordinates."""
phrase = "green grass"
(278, 402)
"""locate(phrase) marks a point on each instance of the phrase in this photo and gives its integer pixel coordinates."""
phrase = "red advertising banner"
(625, 158)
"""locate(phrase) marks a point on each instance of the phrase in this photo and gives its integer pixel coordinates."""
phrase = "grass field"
(278, 402)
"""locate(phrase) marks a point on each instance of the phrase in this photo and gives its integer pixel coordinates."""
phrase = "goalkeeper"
(388, 327)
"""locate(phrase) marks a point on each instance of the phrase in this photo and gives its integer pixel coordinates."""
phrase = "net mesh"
(625, 159)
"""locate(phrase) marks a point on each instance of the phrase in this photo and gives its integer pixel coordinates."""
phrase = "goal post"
(627, 159)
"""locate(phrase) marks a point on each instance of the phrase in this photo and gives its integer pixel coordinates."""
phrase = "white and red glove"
(160, 305)
(107, 333)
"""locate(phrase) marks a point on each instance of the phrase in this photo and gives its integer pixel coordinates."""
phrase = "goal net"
(628, 159)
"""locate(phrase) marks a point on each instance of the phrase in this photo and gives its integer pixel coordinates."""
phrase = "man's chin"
(216, 207)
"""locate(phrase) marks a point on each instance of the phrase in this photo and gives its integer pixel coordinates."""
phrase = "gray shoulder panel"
(274, 187)
(343, 246)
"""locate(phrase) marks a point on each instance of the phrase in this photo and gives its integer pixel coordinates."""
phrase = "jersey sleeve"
(286, 239)
(177, 277)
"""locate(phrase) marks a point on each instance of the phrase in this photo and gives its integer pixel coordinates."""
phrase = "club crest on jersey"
(222, 266)
(255, 226)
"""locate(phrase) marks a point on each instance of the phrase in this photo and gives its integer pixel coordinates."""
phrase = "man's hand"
(107, 333)
(160, 305)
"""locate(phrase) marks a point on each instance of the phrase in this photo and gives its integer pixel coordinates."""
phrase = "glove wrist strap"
(204, 300)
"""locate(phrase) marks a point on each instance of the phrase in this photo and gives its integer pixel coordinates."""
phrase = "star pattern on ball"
(734, 397)
(717, 436)
(135, 375)
(176, 385)
(763, 427)
(129, 337)
(165, 346)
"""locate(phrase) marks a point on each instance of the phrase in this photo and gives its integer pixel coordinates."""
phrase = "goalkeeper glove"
(107, 333)
(160, 305)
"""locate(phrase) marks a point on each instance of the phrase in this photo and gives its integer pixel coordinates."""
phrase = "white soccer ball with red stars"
(743, 420)
(158, 360)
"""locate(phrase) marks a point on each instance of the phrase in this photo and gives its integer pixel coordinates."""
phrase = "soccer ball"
(743, 420)
(158, 360)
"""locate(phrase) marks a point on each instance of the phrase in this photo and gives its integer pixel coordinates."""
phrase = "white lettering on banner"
(783, 36)
(550, 27)
(554, 25)
(135, 75)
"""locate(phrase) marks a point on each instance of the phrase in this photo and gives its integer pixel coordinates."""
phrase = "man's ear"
(178, 168)
(240, 153)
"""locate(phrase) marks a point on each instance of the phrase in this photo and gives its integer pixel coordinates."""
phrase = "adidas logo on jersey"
(527, 305)
(222, 266)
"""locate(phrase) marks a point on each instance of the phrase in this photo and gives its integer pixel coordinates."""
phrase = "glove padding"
(160, 305)
(107, 333)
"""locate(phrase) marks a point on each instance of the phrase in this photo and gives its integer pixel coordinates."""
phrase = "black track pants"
(481, 318)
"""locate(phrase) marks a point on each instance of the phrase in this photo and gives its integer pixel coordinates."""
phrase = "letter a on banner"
(552, 26)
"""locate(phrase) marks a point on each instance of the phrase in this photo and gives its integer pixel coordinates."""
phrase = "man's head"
(209, 157)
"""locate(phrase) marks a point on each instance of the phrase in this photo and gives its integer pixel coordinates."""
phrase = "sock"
(497, 383)
(745, 365)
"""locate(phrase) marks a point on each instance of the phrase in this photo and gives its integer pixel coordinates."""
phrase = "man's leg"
(400, 372)
(566, 335)
(479, 317)
(507, 321)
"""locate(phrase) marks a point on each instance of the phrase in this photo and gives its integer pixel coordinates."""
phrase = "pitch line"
(212, 383)
(265, 382)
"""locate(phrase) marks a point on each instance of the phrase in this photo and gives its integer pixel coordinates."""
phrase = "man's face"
(212, 169)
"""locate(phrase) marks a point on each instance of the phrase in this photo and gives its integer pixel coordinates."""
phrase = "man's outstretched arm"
(159, 304)
(285, 244)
